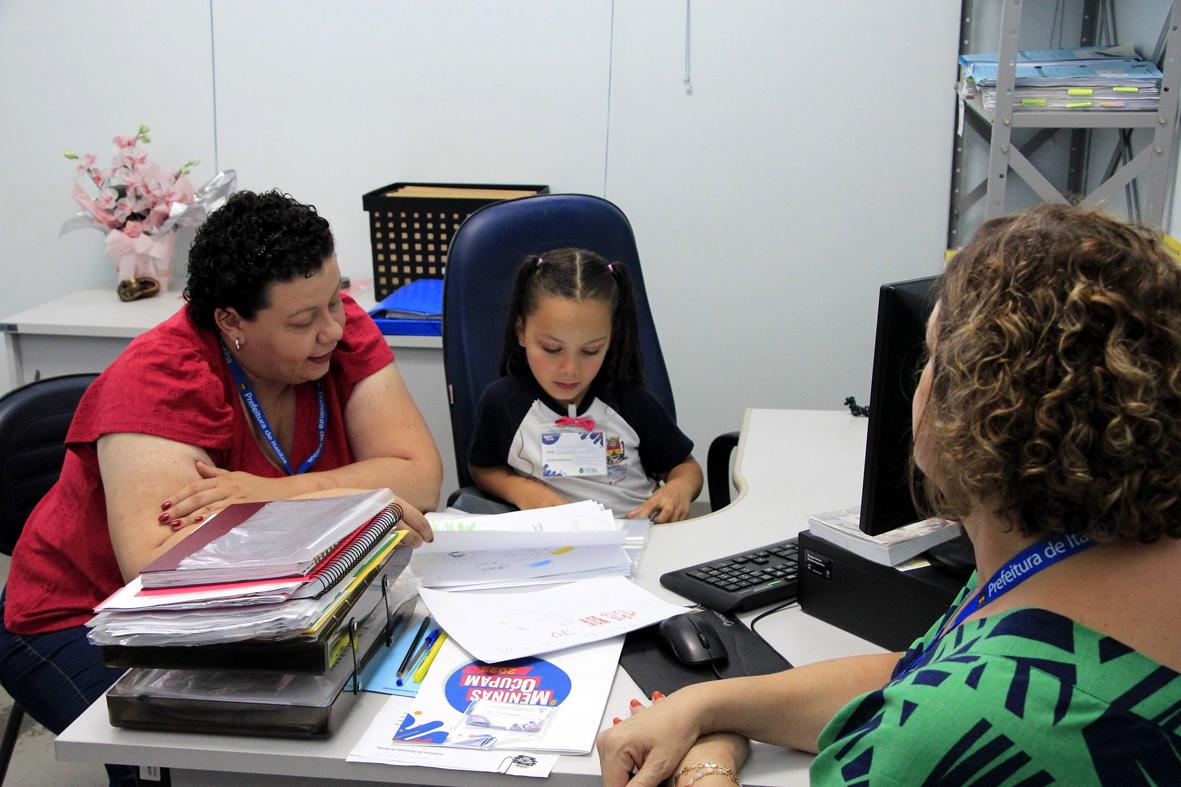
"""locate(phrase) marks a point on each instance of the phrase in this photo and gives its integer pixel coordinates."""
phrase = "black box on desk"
(411, 226)
(888, 607)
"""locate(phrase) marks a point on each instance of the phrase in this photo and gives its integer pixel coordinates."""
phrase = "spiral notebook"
(247, 541)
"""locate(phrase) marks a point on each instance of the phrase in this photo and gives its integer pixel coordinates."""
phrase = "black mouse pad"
(653, 668)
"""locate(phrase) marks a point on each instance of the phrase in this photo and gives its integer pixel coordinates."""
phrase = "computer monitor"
(903, 309)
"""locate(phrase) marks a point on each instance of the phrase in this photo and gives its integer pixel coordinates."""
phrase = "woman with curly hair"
(1048, 421)
(166, 436)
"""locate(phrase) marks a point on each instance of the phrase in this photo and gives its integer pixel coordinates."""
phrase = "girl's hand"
(669, 503)
(653, 741)
(217, 489)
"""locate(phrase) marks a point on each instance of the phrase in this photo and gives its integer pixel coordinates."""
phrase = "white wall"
(771, 202)
(72, 76)
(809, 165)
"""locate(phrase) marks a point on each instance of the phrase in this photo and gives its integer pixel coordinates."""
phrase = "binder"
(241, 702)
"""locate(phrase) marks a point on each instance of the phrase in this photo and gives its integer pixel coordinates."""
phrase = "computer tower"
(888, 607)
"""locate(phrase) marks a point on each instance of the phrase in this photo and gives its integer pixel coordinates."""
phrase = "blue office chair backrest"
(482, 262)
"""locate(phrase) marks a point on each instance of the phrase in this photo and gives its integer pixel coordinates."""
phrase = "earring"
(237, 344)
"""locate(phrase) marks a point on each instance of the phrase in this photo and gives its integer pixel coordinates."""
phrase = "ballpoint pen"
(406, 660)
(420, 673)
(418, 654)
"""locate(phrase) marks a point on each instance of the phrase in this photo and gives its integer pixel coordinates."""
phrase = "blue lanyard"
(252, 405)
(1029, 561)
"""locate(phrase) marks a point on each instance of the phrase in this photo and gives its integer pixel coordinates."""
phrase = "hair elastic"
(540, 260)
(611, 268)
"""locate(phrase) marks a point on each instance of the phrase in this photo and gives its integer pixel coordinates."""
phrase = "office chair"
(34, 420)
(717, 469)
(482, 262)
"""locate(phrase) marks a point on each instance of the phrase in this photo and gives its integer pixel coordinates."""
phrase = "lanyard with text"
(1029, 561)
(251, 400)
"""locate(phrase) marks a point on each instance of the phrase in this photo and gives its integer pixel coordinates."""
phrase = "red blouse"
(170, 382)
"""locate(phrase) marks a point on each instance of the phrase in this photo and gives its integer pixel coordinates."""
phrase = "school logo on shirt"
(616, 459)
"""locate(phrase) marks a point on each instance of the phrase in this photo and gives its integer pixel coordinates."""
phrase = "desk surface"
(100, 313)
(790, 463)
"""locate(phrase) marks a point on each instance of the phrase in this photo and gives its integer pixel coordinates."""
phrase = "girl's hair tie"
(540, 260)
(611, 268)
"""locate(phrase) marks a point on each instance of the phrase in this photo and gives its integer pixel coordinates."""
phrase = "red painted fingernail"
(658, 695)
(635, 703)
(164, 517)
(198, 518)
(616, 720)
(175, 523)
(167, 504)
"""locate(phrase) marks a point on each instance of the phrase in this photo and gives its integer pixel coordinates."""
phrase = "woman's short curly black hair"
(1056, 389)
(249, 243)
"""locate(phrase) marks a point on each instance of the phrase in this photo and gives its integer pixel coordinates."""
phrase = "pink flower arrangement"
(134, 196)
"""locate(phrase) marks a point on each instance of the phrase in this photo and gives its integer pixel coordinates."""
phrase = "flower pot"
(143, 262)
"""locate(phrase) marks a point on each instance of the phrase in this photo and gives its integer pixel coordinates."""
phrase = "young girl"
(571, 418)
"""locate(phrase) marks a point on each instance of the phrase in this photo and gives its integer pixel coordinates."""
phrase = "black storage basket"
(411, 226)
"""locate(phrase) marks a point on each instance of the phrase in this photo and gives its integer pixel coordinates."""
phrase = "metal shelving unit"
(1153, 160)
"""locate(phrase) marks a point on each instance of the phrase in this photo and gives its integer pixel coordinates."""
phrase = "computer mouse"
(692, 640)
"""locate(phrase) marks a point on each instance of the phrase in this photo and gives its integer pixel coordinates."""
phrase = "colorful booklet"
(546, 704)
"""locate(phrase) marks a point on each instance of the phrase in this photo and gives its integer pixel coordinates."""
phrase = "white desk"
(86, 330)
(790, 463)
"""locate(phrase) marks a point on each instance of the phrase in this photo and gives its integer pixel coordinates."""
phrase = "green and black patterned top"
(1024, 697)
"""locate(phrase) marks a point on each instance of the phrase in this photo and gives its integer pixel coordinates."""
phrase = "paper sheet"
(377, 746)
(497, 568)
(584, 523)
(133, 596)
(498, 625)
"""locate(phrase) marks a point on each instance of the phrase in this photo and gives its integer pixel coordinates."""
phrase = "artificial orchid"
(134, 195)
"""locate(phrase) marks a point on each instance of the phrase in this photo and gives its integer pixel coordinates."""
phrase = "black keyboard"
(758, 578)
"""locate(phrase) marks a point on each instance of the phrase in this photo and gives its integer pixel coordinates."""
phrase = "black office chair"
(717, 469)
(34, 420)
(482, 261)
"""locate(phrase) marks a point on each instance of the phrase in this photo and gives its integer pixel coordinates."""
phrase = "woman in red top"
(164, 437)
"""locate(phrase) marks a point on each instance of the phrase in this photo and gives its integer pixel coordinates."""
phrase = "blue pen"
(423, 649)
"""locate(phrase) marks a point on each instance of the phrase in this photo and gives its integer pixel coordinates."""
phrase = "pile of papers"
(1113, 78)
(536, 547)
(234, 578)
(843, 528)
(533, 641)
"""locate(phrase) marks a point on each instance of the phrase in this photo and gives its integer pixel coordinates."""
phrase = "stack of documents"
(536, 547)
(843, 528)
(1067, 79)
(535, 605)
(255, 622)
(205, 593)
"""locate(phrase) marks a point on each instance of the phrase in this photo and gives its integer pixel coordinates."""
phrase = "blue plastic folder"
(414, 309)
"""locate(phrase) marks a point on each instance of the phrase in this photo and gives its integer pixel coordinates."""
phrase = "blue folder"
(414, 309)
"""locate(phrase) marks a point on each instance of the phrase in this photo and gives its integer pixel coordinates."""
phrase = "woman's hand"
(218, 488)
(654, 741)
(722, 748)
(414, 523)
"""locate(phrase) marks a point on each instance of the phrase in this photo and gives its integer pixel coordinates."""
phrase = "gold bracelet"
(703, 769)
